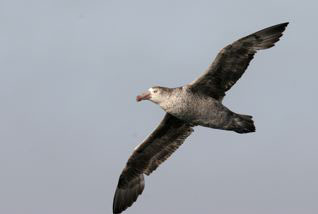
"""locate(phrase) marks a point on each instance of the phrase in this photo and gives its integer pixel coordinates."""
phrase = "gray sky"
(69, 74)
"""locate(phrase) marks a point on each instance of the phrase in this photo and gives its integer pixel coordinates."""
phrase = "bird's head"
(155, 94)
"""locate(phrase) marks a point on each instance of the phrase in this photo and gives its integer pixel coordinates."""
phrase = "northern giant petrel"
(196, 104)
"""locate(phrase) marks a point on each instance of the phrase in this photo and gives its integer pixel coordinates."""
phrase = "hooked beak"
(143, 96)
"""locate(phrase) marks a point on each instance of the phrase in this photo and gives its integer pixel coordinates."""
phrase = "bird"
(198, 103)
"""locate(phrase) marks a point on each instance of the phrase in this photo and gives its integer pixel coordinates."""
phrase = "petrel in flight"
(196, 104)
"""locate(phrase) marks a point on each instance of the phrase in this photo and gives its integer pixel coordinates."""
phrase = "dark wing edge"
(156, 148)
(232, 61)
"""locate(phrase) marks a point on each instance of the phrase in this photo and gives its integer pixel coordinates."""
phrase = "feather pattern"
(232, 61)
(158, 147)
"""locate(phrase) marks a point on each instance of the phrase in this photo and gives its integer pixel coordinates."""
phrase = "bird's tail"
(243, 124)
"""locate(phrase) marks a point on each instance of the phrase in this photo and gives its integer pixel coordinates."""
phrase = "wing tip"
(283, 26)
(125, 197)
(267, 37)
(279, 27)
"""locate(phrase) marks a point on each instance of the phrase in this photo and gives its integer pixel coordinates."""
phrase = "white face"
(156, 95)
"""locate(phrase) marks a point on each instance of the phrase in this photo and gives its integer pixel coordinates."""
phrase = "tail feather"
(243, 124)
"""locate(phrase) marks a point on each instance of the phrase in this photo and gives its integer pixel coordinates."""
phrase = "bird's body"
(200, 109)
(196, 104)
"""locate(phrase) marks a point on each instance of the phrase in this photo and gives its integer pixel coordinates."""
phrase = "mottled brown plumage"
(199, 103)
(164, 140)
(232, 61)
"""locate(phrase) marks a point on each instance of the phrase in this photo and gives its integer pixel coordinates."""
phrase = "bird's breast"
(190, 107)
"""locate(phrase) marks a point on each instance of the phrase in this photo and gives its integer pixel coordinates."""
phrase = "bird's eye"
(155, 91)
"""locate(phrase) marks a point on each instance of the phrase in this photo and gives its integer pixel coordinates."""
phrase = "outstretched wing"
(163, 141)
(231, 62)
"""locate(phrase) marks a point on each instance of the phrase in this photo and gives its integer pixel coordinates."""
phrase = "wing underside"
(232, 61)
(158, 147)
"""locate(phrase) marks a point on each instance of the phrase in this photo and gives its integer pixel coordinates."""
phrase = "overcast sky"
(69, 74)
